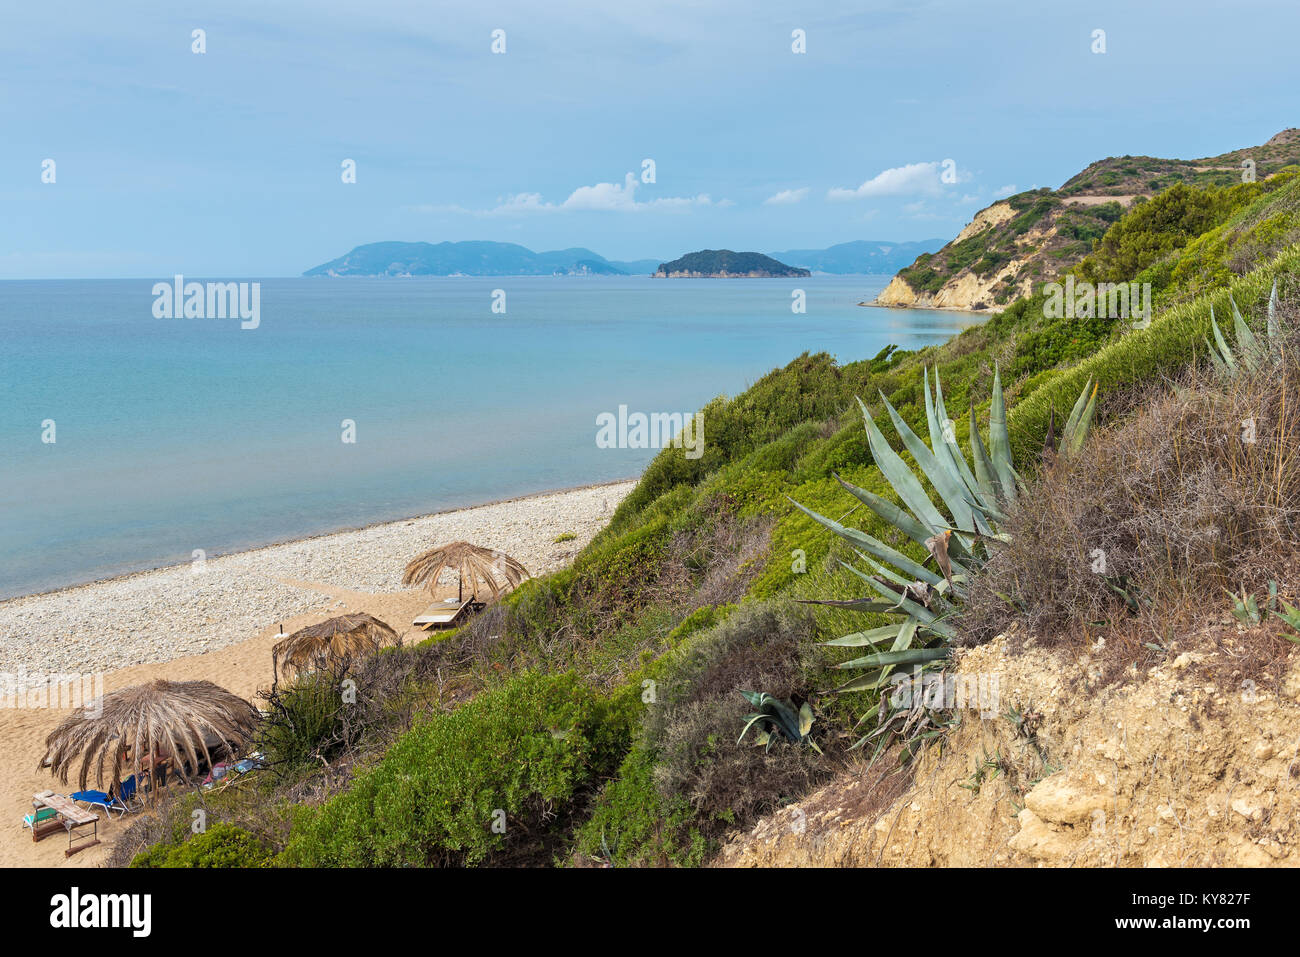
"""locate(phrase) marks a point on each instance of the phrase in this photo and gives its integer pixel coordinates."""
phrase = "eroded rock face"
(1164, 768)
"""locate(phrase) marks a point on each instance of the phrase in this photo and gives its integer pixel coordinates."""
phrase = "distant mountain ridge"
(725, 264)
(487, 258)
(861, 256)
(472, 258)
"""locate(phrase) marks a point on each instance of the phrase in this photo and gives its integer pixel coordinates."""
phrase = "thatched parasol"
(175, 720)
(472, 563)
(335, 638)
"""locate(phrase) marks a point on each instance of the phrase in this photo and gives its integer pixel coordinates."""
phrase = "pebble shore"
(186, 610)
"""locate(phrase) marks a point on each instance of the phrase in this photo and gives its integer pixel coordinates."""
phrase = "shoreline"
(346, 529)
(178, 611)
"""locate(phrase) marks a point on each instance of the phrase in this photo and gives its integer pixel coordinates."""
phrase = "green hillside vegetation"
(1049, 234)
(724, 262)
(599, 708)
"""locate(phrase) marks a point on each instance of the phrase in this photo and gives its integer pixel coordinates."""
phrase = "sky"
(898, 122)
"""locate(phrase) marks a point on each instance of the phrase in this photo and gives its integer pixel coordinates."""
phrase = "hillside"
(1149, 693)
(1034, 237)
(725, 264)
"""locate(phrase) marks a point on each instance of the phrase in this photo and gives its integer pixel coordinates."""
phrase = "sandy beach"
(218, 622)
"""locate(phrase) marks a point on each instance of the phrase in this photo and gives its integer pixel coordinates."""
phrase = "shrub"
(532, 748)
(693, 729)
(1199, 492)
(221, 845)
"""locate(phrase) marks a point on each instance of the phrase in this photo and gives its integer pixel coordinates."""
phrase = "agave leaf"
(900, 477)
(883, 571)
(905, 604)
(748, 724)
(872, 636)
(906, 635)
(980, 456)
(868, 682)
(1249, 347)
(1000, 441)
(852, 604)
(755, 698)
(1219, 365)
(865, 542)
(1224, 352)
(954, 450)
(1080, 423)
(1272, 313)
(805, 719)
(893, 659)
(900, 518)
(945, 480)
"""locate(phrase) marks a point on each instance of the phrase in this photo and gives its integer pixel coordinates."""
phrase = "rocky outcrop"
(1186, 764)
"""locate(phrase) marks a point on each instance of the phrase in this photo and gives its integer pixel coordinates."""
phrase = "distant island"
(474, 258)
(486, 258)
(724, 264)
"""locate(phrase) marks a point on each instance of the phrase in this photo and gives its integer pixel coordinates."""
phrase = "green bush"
(533, 748)
(221, 845)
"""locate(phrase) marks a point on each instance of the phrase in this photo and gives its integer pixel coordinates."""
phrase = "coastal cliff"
(1016, 244)
(1076, 773)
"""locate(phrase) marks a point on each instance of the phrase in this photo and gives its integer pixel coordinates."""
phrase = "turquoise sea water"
(175, 435)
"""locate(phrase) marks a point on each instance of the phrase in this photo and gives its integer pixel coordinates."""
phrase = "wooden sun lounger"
(442, 614)
(70, 817)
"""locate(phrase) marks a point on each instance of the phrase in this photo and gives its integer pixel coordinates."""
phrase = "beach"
(218, 621)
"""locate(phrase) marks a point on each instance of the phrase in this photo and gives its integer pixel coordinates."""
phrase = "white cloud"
(602, 197)
(1007, 190)
(906, 180)
(787, 197)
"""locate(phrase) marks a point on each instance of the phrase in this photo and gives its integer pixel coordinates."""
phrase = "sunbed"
(442, 614)
(101, 799)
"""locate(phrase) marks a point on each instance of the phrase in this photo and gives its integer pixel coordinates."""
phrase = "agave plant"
(780, 715)
(1251, 352)
(975, 497)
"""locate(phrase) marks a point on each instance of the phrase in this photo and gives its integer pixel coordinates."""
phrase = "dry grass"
(1196, 493)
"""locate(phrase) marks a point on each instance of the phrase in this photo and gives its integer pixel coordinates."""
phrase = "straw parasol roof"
(473, 563)
(176, 720)
(335, 638)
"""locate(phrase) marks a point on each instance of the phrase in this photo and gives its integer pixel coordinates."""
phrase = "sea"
(129, 441)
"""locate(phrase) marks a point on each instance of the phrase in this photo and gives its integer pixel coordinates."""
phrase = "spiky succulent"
(956, 538)
(774, 717)
(1251, 351)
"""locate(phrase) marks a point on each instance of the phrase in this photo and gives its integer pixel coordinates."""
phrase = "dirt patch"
(1170, 767)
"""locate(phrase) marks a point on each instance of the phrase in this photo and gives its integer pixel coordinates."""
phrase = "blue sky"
(228, 163)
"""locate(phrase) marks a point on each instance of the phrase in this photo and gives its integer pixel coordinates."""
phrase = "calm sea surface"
(175, 435)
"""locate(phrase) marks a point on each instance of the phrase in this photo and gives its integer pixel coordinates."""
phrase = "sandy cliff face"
(966, 291)
(1188, 764)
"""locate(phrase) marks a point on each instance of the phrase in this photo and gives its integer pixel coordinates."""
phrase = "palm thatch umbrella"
(496, 569)
(179, 721)
(331, 640)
